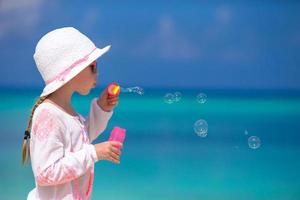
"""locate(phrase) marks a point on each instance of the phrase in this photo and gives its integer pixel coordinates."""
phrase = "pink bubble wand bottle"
(117, 134)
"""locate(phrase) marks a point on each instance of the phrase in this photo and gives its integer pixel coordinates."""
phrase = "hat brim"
(53, 86)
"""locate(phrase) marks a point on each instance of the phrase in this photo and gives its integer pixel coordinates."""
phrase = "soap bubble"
(136, 89)
(169, 98)
(201, 98)
(178, 96)
(201, 128)
(254, 142)
(246, 132)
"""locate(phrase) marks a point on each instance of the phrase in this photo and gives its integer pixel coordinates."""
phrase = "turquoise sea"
(163, 158)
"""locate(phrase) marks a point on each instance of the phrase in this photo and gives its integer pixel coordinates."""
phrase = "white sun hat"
(63, 53)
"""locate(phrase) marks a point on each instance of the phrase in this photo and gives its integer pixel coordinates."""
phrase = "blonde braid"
(26, 147)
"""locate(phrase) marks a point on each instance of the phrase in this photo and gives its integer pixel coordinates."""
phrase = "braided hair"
(25, 146)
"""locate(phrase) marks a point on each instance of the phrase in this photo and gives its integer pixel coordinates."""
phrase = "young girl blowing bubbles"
(57, 138)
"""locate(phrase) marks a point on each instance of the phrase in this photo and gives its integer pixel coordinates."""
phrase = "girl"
(57, 138)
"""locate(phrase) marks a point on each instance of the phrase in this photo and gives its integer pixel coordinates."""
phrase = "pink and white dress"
(62, 155)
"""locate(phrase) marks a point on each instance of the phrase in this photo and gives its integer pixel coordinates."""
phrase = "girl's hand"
(109, 150)
(107, 103)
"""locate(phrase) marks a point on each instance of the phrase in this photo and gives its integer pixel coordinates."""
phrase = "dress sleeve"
(97, 120)
(51, 164)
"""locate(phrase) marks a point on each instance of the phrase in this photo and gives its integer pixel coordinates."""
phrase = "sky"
(163, 44)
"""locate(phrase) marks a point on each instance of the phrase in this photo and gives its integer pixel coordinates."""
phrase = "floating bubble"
(136, 89)
(201, 128)
(178, 96)
(246, 132)
(126, 89)
(201, 98)
(254, 142)
(169, 98)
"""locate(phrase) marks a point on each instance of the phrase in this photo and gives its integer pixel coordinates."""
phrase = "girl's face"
(86, 79)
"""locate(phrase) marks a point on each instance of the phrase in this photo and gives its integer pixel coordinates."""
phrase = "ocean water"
(163, 158)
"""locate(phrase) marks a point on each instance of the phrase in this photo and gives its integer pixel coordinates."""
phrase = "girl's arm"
(51, 164)
(65, 168)
(97, 120)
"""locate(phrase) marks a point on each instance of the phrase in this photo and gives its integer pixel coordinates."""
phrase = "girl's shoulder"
(46, 110)
(45, 106)
(46, 120)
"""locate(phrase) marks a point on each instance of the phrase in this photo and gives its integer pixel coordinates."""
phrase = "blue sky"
(186, 44)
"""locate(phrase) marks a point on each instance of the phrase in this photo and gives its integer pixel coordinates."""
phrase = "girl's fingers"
(113, 103)
(113, 98)
(114, 153)
(112, 159)
(114, 156)
(116, 144)
(116, 150)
